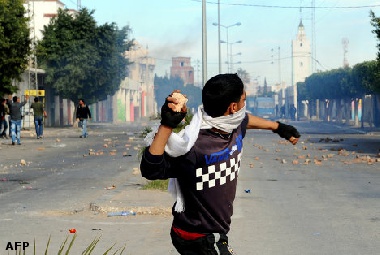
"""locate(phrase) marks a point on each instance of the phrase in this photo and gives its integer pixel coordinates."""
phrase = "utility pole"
(204, 43)
(32, 61)
(33, 81)
(220, 58)
(313, 39)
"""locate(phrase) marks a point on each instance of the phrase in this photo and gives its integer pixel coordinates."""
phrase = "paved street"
(321, 196)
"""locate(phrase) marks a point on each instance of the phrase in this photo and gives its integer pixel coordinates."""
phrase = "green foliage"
(302, 92)
(162, 184)
(265, 92)
(184, 123)
(14, 44)
(375, 21)
(244, 76)
(157, 185)
(82, 59)
(375, 85)
(145, 131)
(368, 75)
(66, 246)
(343, 83)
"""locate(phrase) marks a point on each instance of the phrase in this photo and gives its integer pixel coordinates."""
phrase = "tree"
(375, 21)
(244, 76)
(163, 86)
(366, 75)
(14, 44)
(81, 59)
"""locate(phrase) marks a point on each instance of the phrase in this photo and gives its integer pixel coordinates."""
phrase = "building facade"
(301, 64)
(181, 67)
(40, 13)
(134, 99)
(141, 71)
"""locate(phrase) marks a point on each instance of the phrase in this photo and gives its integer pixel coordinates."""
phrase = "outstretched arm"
(288, 132)
(255, 122)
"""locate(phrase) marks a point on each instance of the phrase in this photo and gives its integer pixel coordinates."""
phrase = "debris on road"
(121, 213)
(110, 187)
(136, 171)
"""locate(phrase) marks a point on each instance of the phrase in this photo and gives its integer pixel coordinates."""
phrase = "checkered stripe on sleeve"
(218, 174)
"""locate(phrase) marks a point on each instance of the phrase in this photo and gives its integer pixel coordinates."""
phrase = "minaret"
(301, 60)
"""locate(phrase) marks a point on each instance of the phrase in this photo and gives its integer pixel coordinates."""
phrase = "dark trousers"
(39, 125)
(211, 244)
(3, 127)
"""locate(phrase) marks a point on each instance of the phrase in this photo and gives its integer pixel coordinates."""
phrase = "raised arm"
(160, 140)
(169, 120)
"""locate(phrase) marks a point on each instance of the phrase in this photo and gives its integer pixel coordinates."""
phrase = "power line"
(294, 7)
(282, 58)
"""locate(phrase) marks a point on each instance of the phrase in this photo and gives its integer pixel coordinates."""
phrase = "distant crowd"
(11, 117)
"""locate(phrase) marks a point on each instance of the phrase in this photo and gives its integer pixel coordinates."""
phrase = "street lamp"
(232, 62)
(230, 56)
(220, 41)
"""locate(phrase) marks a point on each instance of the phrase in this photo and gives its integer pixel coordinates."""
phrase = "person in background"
(282, 112)
(83, 113)
(292, 112)
(38, 109)
(203, 162)
(15, 106)
(3, 120)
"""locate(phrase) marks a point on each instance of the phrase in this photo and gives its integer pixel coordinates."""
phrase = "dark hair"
(219, 92)
(14, 99)
(36, 99)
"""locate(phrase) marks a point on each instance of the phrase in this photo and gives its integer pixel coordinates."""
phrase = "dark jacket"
(207, 176)
(2, 111)
(15, 109)
(83, 112)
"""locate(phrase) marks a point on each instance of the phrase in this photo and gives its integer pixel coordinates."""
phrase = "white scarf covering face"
(180, 143)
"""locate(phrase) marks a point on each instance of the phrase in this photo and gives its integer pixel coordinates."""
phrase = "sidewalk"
(361, 128)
